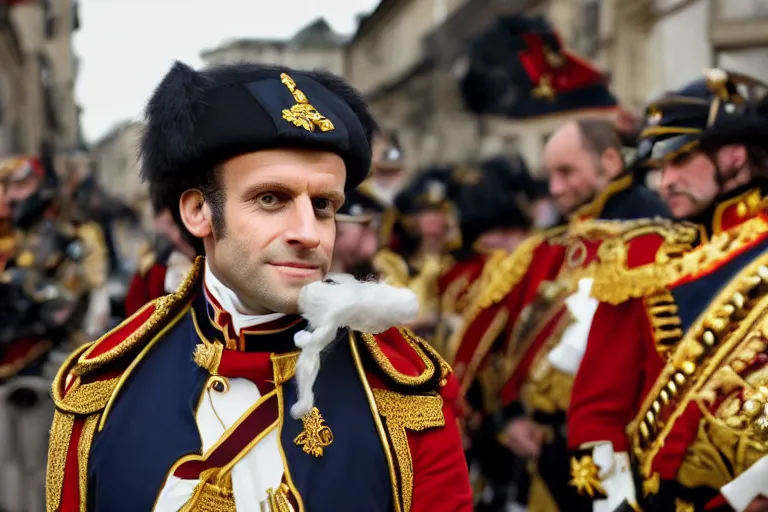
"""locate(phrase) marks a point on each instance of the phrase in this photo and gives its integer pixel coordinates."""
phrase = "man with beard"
(277, 387)
(520, 300)
(356, 241)
(672, 382)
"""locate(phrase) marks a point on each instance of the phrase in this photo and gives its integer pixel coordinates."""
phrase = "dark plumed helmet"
(430, 189)
(519, 68)
(195, 120)
(495, 195)
(718, 109)
(357, 207)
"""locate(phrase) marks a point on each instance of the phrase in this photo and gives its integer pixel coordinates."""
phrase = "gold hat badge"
(303, 114)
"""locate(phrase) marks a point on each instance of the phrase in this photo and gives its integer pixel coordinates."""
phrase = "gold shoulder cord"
(93, 400)
(707, 346)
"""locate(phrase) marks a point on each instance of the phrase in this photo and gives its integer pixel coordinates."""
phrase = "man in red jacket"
(264, 382)
(163, 266)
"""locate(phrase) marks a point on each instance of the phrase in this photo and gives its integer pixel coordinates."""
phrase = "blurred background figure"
(164, 263)
(356, 238)
(556, 89)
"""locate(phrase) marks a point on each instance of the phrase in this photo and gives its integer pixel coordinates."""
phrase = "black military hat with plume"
(495, 195)
(196, 120)
(710, 112)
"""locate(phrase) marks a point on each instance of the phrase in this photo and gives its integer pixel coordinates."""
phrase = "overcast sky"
(126, 46)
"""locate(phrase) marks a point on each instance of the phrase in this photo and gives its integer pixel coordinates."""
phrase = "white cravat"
(232, 304)
(261, 468)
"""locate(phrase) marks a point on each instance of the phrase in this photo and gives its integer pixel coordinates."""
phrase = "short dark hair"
(598, 136)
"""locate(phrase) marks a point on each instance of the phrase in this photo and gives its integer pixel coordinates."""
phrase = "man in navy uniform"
(263, 383)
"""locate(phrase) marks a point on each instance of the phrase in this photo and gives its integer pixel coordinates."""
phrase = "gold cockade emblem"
(584, 476)
(303, 114)
(316, 436)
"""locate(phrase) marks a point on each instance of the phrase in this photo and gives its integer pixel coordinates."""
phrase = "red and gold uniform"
(160, 273)
(652, 393)
(382, 427)
(655, 312)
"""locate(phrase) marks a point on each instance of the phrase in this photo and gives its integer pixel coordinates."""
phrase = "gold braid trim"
(421, 348)
(501, 274)
(213, 493)
(392, 268)
(83, 453)
(615, 283)
(706, 347)
(74, 398)
(412, 412)
(164, 307)
(61, 432)
(486, 342)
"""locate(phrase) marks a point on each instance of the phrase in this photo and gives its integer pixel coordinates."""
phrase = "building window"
(49, 19)
(590, 27)
(741, 10)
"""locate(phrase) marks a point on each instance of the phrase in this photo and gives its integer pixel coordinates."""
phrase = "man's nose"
(303, 229)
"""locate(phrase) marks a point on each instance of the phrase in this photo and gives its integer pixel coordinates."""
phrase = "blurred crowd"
(608, 338)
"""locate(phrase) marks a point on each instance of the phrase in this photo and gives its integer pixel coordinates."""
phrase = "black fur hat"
(430, 189)
(199, 119)
(498, 198)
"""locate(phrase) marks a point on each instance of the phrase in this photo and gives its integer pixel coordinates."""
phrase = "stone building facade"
(38, 70)
(314, 46)
(115, 160)
(407, 55)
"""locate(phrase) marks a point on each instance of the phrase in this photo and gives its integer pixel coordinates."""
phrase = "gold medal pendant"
(316, 435)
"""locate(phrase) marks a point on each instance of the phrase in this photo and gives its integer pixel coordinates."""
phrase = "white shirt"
(262, 467)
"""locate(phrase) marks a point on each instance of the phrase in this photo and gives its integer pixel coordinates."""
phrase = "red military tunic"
(408, 393)
(654, 344)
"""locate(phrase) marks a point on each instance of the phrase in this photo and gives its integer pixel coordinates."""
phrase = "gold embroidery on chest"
(411, 412)
(717, 347)
(316, 435)
(665, 322)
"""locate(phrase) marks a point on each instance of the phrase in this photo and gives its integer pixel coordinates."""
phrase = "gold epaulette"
(96, 264)
(501, 274)
(146, 260)
(392, 268)
(87, 384)
(402, 344)
(636, 258)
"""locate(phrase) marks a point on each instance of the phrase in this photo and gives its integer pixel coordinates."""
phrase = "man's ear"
(195, 213)
(613, 162)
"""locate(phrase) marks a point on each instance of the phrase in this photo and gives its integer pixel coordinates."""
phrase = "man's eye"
(322, 203)
(267, 200)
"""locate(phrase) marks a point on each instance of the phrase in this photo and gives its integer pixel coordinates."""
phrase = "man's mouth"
(295, 269)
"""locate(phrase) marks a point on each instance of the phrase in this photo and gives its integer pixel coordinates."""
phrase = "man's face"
(348, 238)
(575, 175)
(506, 239)
(688, 184)
(280, 229)
(432, 224)
(355, 243)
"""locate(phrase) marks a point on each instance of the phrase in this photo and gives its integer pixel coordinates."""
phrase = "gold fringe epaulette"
(86, 385)
(616, 280)
(147, 258)
(434, 369)
(501, 274)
